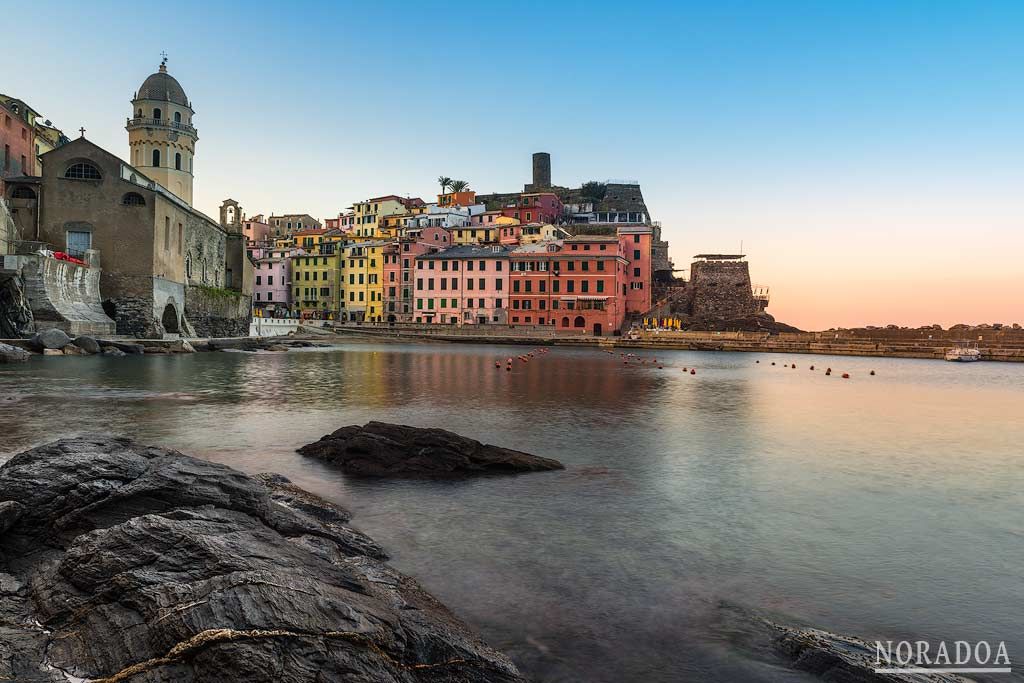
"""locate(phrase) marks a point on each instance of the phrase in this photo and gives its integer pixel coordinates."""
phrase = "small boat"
(964, 352)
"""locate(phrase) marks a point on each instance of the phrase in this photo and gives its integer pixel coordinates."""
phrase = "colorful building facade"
(463, 285)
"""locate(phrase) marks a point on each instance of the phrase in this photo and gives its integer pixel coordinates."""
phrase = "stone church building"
(166, 267)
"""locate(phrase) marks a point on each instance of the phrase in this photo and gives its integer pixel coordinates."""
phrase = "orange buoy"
(757, 361)
(693, 372)
(872, 373)
(794, 366)
(773, 362)
(812, 367)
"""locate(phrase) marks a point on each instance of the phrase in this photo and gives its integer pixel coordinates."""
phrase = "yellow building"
(474, 234)
(361, 280)
(315, 282)
(369, 215)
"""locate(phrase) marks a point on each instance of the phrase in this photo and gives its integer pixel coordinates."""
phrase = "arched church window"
(204, 270)
(177, 117)
(139, 114)
(133, 199)
(23, 193)
(156, 157)
(157, 114)
(177, 161)
(188, 266)
(83, 171)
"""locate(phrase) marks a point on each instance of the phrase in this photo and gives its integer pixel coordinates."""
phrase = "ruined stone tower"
(541, 171)
(720, 286)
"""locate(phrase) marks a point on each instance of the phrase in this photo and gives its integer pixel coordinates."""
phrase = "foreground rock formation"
(379, 449)
(121, 562)
(834, 657)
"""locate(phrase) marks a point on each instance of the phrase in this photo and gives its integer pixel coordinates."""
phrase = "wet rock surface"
(833, 657)
(380, 449)
(124, 562)
(13, 354)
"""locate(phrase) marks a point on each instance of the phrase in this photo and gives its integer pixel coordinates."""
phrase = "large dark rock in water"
(379, 449)
(121, 562)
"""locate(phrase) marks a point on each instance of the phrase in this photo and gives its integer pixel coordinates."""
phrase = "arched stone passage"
(170, 319)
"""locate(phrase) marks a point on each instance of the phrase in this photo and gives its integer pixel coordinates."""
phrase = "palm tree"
(459, 185)
(444, 181)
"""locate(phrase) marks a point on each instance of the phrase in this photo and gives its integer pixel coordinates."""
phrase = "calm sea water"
(885, 507)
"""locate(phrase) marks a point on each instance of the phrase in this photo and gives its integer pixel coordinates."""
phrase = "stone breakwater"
(121, 562)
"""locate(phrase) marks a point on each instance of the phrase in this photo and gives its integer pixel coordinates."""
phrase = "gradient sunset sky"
(869, 155)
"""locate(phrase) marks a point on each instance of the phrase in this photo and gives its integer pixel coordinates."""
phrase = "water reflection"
(886, 505)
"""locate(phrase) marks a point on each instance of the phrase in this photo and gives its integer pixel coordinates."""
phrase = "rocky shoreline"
(131, 563)
(54, 342)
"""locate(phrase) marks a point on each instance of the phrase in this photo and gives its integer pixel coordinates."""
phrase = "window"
(600, 265)
(498, 284)
(636, 254)
(78, 242)
(156, 158)
(177, 161)
(188, 269)
(23, 193)
(167, 233)
(133, 199)
(83, 171)
(636, 272)
(157, 114)
(177, 117)
(600, 286)
(270, 279)
(259, 279)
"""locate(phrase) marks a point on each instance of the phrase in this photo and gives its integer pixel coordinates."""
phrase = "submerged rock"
(138, 564)
(380, 449)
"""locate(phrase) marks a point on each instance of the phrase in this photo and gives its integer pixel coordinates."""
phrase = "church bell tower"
(161, 138)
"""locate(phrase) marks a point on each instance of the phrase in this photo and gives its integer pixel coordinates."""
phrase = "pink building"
(272, 283)
(579, 283)
(635, 242)
(466, 285)
(256, 230)
(535, 207)
(399, 268)
(485, 218)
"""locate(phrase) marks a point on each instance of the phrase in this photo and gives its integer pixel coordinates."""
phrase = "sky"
(868, 156)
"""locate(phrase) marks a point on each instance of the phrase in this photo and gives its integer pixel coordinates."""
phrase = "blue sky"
(868, 154)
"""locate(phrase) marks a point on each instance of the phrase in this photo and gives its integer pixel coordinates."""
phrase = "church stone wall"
(216, 312)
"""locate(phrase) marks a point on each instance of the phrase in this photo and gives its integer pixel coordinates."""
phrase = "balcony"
(160, 123)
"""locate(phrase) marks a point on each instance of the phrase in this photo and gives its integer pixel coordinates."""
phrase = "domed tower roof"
(164, 87)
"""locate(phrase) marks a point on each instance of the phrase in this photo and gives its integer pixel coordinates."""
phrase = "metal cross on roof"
(82, 131)
(163, 54)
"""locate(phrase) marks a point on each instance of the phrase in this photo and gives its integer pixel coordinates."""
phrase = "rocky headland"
(380, 449)
(121, 562)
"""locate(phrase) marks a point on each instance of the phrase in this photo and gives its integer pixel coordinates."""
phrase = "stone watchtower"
(161, 138)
